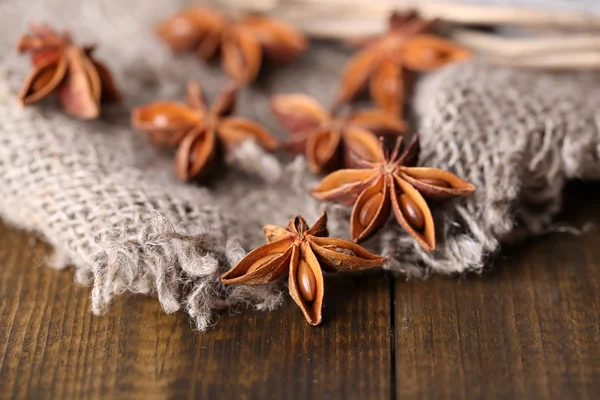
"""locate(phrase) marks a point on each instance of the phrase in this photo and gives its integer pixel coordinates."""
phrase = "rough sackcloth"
(113, 210)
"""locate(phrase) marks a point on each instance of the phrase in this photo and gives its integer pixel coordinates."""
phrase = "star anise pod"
(329, 140)
(302, 253)
(393, 183)
(199, 133)
(381, 64)
(242, 43)
(80, 81)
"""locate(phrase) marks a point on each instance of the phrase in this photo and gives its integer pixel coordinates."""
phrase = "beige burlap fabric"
(113, 210)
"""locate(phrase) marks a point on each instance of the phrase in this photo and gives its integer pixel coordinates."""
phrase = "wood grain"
(529, 328)
(52, 347)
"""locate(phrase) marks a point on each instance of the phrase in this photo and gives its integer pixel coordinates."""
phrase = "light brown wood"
(344, 19)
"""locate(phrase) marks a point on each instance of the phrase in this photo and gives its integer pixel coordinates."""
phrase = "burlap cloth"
(111, 207)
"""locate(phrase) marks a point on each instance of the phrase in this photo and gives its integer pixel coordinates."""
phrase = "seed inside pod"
(435, 182)
(411, 212)
(340, 250)
(369, 209)
(43, 79)
(434, 55)
(260, 262)
(191, 158)
(306, 282)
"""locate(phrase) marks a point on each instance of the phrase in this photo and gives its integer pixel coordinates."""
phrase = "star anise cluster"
(328, 140)
(201, 134)
(383, 63)
(79, 81)
(393, 184)
(302, 253)
(242, 43)
(375, 182)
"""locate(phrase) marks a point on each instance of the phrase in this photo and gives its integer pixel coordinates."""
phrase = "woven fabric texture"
(114, 212)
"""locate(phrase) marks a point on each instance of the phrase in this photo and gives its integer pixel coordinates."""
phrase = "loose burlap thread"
(114, 212)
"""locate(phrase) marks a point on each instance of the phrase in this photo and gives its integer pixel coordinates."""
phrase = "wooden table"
(529, 328)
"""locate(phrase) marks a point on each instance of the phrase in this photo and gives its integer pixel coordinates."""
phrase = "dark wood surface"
(528, 328)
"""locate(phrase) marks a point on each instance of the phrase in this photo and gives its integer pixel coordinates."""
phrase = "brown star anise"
(328, 140)
(60, 66)
(199, 132)
(241, 43)
(381, 64)
(392, 183)
(303, 253)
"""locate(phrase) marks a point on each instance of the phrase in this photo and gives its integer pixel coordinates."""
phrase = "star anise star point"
(380, 65)
(199, 132)
(392, 185)
(303, 253)
(329, 140)
(242, 43)
(79, 80)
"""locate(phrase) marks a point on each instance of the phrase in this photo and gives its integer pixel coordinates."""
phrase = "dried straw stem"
(344, 19)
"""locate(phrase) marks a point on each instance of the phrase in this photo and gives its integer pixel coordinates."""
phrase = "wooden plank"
(530, 328)
(277, 355)
(52, 347)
